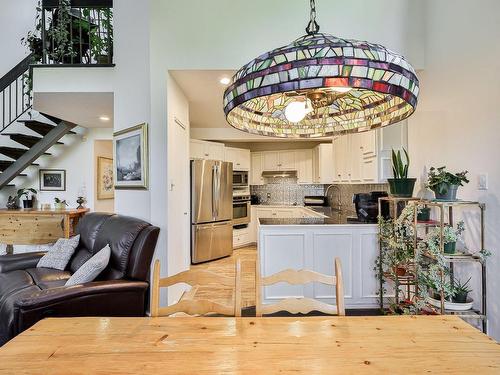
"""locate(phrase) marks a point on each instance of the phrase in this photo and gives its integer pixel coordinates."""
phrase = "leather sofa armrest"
(51, 297)
(13, 262)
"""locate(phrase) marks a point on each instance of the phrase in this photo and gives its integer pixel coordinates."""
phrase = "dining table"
(269, 345)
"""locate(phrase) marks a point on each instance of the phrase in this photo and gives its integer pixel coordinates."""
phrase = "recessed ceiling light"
(225, 80)
(104, 118)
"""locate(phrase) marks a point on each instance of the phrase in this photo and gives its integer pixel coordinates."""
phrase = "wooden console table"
(37, 227)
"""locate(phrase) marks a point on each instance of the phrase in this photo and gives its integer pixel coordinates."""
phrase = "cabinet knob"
(206, 154)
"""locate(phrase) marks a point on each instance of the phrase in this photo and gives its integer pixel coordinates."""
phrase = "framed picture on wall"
(105, 180)
(52, 179)
(131, 155)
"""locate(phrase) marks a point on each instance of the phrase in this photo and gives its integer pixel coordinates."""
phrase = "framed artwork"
(105, 184)
(52, 179)
(131, 155)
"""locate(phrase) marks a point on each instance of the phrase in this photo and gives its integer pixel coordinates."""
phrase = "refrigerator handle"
(218, 190)
(214, 190)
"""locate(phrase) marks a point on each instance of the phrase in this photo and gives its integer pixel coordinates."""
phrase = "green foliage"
(59, 201)
(462, 288)
(25, 192)
(400, 168)
(439, 179)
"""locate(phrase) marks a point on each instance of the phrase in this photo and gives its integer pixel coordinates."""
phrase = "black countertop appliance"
(366, 205)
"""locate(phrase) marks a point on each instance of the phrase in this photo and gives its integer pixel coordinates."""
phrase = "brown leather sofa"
(29, 294)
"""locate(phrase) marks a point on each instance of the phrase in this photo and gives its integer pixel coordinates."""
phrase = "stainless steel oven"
(240, 178)
(241, 210)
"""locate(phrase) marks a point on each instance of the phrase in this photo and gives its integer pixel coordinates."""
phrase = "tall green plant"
(400, 168)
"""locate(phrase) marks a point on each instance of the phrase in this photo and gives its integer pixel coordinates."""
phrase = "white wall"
(178, 186)
(457, 120)
(16, 19)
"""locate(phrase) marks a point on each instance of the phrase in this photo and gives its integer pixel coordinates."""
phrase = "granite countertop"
(333, 217)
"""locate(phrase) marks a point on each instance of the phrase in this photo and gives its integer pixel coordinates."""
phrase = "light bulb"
(341, 89)
(225, 81)
(297, 110)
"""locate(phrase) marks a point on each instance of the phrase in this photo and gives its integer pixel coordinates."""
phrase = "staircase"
(25, 135)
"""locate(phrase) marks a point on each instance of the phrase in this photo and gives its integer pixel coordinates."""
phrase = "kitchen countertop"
(332, 217)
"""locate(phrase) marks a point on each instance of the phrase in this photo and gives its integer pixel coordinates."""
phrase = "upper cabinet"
(366, 157)
(279, 161)
(206, 150)
(256, 169)
(322, 161)
(303, 160)
(239, 157)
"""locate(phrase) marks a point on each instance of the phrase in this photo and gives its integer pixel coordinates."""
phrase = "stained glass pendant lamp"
(321, 85)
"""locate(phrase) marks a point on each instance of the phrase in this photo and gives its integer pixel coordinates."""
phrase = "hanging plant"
(59, 33)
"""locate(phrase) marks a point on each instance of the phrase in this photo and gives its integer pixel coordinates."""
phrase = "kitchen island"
(313, 243)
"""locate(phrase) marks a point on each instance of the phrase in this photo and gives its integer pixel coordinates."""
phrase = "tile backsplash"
(285, 191)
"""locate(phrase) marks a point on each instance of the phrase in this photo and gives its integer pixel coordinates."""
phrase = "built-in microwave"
(240, 178)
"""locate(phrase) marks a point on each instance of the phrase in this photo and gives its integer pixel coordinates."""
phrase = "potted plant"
(29, 194)
(60, 204)
(462, 290)
(450, 238)
(445, 184)
(401, 185)
(424, 214)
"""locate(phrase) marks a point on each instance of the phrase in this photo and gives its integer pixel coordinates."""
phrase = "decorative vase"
(449, 192)
(401, 187)
(59, 206)
(450, 247)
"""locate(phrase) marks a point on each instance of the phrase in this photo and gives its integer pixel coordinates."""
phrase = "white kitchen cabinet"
(315, 247)
(303, 161)
(287, 161)
(241, 237)
(366, 157)
(270, 161)
(256, 169)
(199, 149)
(322, 163)
(239, 157)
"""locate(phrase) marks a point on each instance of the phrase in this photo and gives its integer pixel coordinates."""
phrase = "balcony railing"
(76, 32)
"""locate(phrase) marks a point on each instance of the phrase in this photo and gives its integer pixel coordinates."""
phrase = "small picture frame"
(131, 157)
(105, 180)
(52, 179)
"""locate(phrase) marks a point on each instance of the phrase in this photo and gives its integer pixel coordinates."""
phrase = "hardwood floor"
(225, 267)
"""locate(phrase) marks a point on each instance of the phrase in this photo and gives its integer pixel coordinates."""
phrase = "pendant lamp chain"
(312, 27)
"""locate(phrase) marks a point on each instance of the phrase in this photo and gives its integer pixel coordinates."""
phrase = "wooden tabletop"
(36, 211)
(311, 345)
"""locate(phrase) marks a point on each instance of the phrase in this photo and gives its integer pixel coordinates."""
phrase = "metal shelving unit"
(446, 211)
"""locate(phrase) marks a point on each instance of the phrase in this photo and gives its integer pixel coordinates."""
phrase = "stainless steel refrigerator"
(211, 210)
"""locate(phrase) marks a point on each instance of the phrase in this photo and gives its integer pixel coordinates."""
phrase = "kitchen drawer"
(241, 238)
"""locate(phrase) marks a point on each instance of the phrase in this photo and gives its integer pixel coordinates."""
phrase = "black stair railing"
(15, 93)
(77, 32)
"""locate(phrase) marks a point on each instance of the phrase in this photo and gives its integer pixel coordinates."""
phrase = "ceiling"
(204, 93)
(82, 108)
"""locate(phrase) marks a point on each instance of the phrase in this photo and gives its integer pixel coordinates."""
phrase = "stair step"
(21, 175)
(26, 140)
(40, 127)
(4, 164)
(15, 153)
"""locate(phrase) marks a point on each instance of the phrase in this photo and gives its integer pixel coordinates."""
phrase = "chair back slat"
(188, 303)
(197, 277)
(197, 307)
(296, 277)
(300, 305)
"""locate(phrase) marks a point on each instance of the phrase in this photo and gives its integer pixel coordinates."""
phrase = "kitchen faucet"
(338, 203)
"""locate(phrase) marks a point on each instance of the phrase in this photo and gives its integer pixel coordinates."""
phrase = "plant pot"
(448, 192)
(103, 59)
(59, 206)
(460, 298)
(424, 214)
(401, 187)
(399, 271)
(28, 203)
(450, 247)
(452, 305)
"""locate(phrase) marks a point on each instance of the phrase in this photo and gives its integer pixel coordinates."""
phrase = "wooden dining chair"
(196, 278)
(300, 305)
